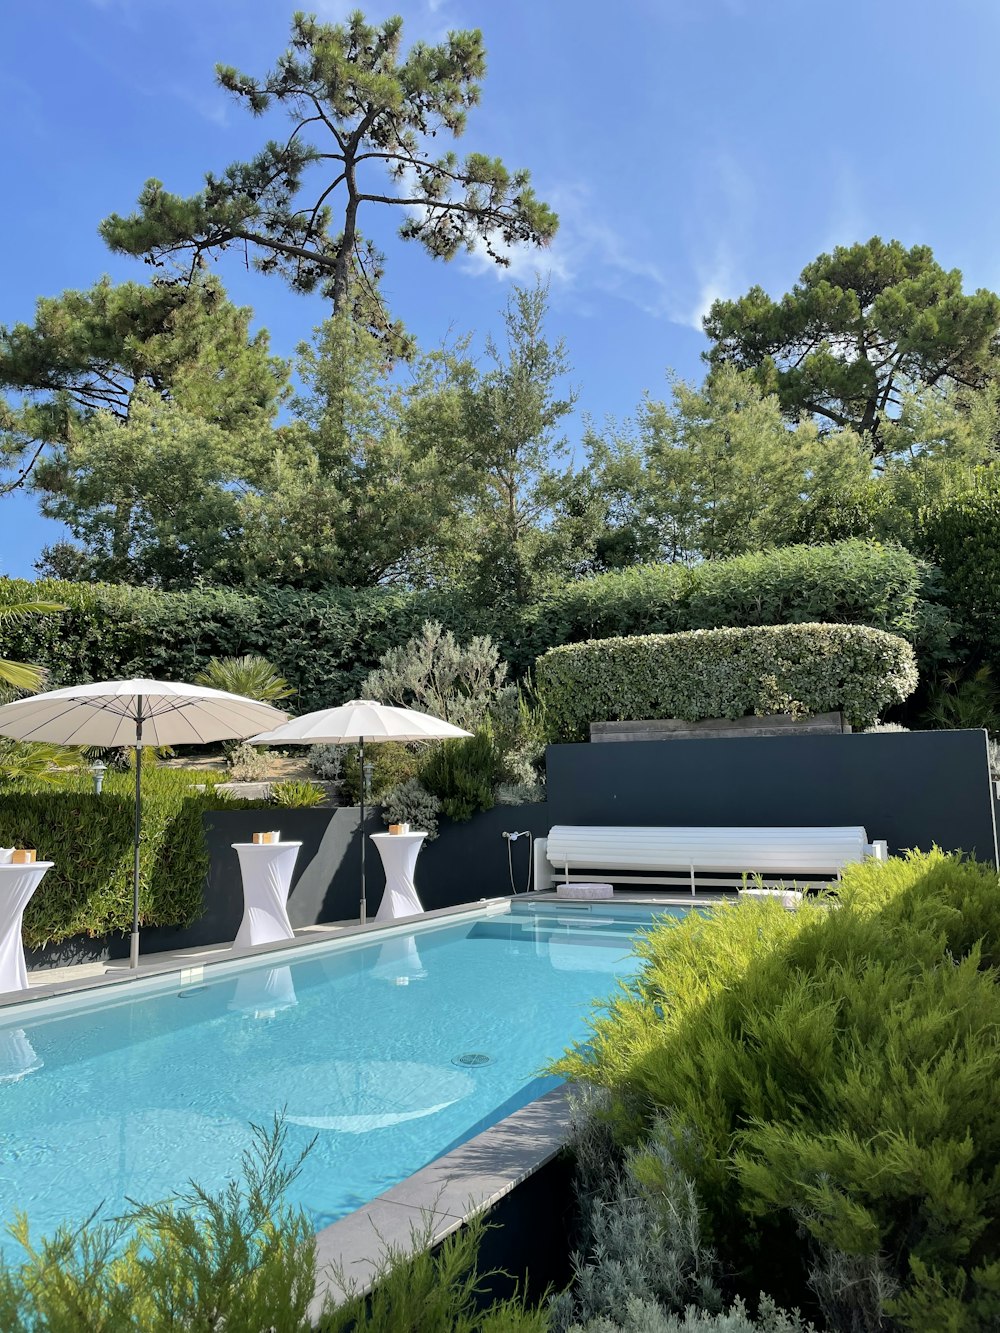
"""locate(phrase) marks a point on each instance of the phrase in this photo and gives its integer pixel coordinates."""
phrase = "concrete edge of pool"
(439, 1198)
(188, 966)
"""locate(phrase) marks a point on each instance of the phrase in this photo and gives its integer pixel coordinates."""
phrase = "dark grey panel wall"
(469, 861)
(914, 789)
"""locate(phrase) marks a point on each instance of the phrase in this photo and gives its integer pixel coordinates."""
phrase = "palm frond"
(21, 676)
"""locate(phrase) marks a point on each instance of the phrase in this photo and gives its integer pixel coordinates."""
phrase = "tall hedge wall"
(962, 536)
(325, 643)
(88, 891)
(800, 669)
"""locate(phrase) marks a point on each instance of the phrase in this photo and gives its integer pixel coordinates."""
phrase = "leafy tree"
(296, 205)
(715, 472)
(860, 328)
(511, 413)
(156, 499)
(89, 352)
(360, 487)
(937, 448)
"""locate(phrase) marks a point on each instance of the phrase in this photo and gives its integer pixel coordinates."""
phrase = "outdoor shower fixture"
(511, 838)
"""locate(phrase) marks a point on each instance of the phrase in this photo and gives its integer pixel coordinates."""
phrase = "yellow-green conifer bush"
(828, 1079)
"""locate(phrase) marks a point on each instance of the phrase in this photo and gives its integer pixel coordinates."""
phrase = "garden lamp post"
(97, 772)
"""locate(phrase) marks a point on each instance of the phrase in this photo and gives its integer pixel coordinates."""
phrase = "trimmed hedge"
(962, 535)
(325, 644)
(830, 1082)
(88, 891)
(799, 669)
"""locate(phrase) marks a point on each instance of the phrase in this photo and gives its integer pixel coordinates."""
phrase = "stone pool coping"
(438, 1199)
(187, 966)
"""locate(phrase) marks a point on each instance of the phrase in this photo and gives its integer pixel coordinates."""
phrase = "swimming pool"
(388, 1050)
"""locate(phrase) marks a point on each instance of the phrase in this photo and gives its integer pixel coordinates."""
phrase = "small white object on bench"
(584, 891)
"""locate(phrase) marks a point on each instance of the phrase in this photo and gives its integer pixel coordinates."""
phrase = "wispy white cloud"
(723, 205)
(212, 106)
(587, 255)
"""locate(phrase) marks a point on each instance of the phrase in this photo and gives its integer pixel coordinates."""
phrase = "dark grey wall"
(914, 789)
(469, 861)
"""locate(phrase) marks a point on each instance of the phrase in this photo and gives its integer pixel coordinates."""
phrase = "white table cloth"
(263, 992)
(17, 1055)
(17, 884)
(399, 859)
(267, 876)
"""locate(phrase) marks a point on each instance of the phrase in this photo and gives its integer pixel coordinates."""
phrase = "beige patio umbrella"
(112, 713)
(356, 722)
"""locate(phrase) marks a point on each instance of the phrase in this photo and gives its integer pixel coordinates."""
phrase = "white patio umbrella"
(135, 713)
(359, 721)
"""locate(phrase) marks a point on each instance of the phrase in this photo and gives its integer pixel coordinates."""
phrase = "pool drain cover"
(472, 1060)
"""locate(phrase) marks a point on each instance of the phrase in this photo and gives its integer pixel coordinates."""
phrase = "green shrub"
(326, 761)
(295, 795)
(849, 583)
(325, 644)
(411, 803)
(251, 675)
(800, 669)
(88, 891)
(436, 674)
(248, 763)
(830, 1077)
(463, 774)
(392, 762)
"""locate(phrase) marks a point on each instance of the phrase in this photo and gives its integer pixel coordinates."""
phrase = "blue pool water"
(375, 1049)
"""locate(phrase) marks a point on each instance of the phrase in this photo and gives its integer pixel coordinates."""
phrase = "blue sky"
(691, 147)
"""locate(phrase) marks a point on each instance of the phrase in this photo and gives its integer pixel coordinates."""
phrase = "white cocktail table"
(17, 884)
(399, 859)
(267, 876)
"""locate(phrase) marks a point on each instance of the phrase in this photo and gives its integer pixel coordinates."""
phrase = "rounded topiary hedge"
(799, 669)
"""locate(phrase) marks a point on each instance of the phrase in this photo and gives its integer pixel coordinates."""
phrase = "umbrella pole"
(361, 760)
(134, 951)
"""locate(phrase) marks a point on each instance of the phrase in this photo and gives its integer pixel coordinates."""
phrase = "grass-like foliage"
(828, 1079)
(242, 1259)
(297, 795)
(88, 891)
(434, 1291)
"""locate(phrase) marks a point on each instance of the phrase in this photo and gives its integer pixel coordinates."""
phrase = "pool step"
(518, 934)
